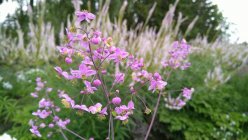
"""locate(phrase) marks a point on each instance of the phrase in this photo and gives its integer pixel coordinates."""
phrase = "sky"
(236, 12)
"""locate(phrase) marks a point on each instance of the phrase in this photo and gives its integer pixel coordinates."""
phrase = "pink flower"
(96, 40)
(96, 108)
(87, 61)
(116, 100)
(124, 111)
(35, 131)
(63, 73)
(67, 101)
(157, 83)
(84, 16)
(42, 125)
(187, 93)
(118, 55)
(64, 50)
(104, 111)
(83, 71)
(89, 88)
(119, 77)
(51, 125)
(181, 103)
(81, 107)
(135, 64)
(178, 55)
(34, 94)
(62, 124)
(130, 105)
(122, 118)
(42, 114)
(44, 103)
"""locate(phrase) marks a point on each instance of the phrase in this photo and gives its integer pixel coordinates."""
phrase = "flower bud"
(116, 100)
(96, 40)
(68, 60)
(148, 111)
(51, 125)
(42, 125)
(97, 82)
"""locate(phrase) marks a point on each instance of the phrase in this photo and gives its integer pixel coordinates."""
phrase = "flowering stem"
(156, 109)
(54, 114)
(153, 116)
(62, 133)
(74, 134)
(105, 92)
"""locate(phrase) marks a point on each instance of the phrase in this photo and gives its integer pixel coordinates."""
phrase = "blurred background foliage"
(146, 28)
(210, 21)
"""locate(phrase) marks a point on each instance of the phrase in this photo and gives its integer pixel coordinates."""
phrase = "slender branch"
(153, 116)
(74, 134)
(63, 134)
(105, 91)
(155, 110)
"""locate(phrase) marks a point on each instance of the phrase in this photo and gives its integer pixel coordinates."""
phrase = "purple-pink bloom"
(34, 94)
(187, 93)
(44, 103)
(67, 99)
(181, 103)
(157, 85)
(63, 73)
(118, 55)
(87, 61)
(178, 55)
(119, 77)
(95, 108)
(88, 88)
(62, 124)
(124, 111)
(104, 111)
(135, 64)
(42, 125)
(130, 105)
(96, 40)
(81, 107)
(84, 71)
(84, 16)
(122, 118)
(51, 125)
(42, 114)
(35, 131)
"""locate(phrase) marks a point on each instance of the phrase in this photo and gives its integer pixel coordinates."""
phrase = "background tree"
(210, 22)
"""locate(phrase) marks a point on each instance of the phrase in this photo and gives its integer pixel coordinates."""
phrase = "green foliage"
(211, 114)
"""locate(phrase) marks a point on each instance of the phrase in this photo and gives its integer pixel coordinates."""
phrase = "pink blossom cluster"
(178, 56)
(96, 53)
(46, 114)
(180, 101)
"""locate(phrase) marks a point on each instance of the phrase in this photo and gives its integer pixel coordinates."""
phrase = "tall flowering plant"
(95, 51)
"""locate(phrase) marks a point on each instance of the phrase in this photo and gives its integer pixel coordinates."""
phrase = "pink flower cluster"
(45, 115)
(180, 101)
(178, 56)
(94, 53)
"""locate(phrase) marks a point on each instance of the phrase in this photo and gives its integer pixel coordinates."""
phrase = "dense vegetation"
(218, 109)
(209, 20)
